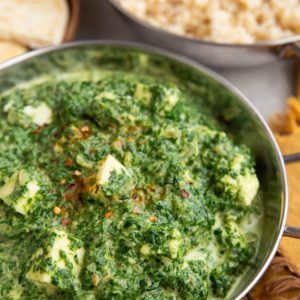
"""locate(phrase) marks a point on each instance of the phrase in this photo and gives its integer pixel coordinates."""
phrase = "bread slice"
(10, 49)
(36, 23)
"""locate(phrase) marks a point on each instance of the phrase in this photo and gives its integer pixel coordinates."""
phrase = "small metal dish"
(210, 53)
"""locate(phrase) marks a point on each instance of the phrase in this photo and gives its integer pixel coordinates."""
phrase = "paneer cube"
(165, 98)
(171, 98)
(112, 179)
(231, 234)
(241, 182)
(40, 115)
(20, 191)
(107, 96)
(175, 244)
(57, 263)
(248, 188)
(107, 167)
(244, 187)
(142, 93)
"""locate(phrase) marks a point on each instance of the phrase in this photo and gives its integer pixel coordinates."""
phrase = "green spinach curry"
(120, 188)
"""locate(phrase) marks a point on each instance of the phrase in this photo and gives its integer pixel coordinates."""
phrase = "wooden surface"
(282, 279)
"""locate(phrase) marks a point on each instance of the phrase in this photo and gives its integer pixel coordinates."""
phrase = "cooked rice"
(223, 21)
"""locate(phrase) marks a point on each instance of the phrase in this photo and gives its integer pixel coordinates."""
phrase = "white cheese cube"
(194, 255)
(142, 93)
(244, 187)
(107, 167)
(25, 202)
(236, 164)
(106, 95)
(175, 243)
(40, 115)
(172, 96)
(232, 234)
(248, 188)
(57, 263)
(145, 250)
(174, 247)
(112, 179)
(20, 192)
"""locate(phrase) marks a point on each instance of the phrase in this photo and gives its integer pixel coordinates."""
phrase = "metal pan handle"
(293, 232)
(289, 48)
(292, 158)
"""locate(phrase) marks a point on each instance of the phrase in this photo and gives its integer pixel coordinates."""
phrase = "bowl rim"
(183, 38)
(212, 75)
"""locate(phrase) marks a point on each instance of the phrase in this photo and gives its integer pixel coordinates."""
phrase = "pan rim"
(214, 76)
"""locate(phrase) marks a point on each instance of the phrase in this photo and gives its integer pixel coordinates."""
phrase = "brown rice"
(223, 21)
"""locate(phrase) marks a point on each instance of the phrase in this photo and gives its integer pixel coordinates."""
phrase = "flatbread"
(35, 23)
(10, 49)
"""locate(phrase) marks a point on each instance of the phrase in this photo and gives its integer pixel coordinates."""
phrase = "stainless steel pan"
(210, 53)
(233, 111)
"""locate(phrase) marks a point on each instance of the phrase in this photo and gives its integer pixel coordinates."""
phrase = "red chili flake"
(153, 219)
(140, 198)
(110, 123)
(108, 215)
(59, 132)
(68, 197)
(75, 197)
(97, 188)
(74, 189)
(68, 162)
(71, 186)
(37, 131)
(184, 194)
(119, 143)
(151, 188)
(65, 221)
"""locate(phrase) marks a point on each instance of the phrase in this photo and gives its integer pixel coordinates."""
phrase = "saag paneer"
(121, 188)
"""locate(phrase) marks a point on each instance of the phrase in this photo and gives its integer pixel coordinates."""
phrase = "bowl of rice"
(222, 33)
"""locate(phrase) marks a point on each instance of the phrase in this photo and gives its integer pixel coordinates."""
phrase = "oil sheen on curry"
(120, 188)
